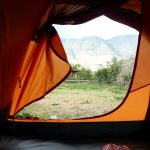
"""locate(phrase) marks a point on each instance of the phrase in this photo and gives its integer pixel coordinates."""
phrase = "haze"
(102, 27)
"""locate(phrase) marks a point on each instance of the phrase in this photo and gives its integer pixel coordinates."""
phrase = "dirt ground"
(71, 103)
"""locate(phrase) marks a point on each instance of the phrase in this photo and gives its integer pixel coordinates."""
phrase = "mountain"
(94, 52)
(125, 45)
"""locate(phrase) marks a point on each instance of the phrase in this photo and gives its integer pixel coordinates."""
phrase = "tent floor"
(22, 143)
(91, 136)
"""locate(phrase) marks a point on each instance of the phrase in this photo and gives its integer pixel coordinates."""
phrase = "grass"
(76, 100)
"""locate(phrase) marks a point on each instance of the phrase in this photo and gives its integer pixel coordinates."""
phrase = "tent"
(31, 51)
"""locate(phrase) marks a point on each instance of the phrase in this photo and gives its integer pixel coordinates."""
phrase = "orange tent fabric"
(45, 66)
(33, 60)
(28, 70)
(16, 29)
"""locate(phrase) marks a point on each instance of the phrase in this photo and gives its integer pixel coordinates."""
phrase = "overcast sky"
(102, 27)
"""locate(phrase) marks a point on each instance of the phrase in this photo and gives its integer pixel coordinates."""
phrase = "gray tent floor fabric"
(17, 143)
(29, 144)
(47, 136)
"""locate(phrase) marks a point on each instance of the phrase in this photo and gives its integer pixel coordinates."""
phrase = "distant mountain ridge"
(94, 52)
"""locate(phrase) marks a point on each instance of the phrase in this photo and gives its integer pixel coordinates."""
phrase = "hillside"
(94, 52)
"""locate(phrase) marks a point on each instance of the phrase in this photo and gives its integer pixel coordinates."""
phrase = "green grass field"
(76, 100)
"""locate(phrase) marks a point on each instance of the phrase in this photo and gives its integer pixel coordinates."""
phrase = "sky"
(102, 27)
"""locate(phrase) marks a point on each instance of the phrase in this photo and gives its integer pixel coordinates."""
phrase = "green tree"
(80, 73)
(85, 74)
(114, 68)
(109, 74)
(102, 75)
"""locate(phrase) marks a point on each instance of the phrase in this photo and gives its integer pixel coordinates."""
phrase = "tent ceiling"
(77, 12)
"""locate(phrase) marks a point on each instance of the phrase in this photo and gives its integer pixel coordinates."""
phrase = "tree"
(102, 76)
(114, 68)
(80, 73)
(85, 74)
(109, 74)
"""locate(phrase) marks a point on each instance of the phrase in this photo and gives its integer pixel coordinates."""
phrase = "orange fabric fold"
(45, 66)
(19, 19)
